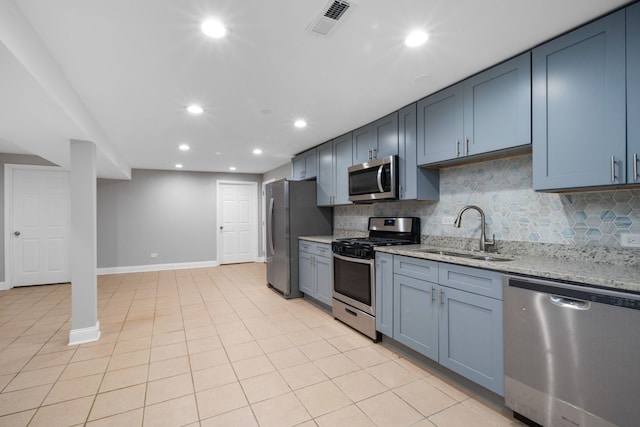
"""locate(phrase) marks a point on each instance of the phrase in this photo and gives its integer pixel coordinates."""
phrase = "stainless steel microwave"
(374, 180)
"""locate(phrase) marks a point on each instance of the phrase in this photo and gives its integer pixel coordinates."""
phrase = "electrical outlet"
(153, 255)
(448, 219)
(630, 240)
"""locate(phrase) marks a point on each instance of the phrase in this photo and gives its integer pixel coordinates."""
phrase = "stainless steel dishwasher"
(572, 353)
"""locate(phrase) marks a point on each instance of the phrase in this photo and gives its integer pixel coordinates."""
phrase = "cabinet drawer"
(306, 246)
(417, 268)
(475, 280)
(320, 249)
(323, 250)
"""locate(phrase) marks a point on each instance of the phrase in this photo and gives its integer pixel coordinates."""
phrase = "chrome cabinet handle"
(635, 166)
(433, 294)
(457, 148)
(441, 297)
(374, 153)
(613, 168)
(466, 146)
(369, 153)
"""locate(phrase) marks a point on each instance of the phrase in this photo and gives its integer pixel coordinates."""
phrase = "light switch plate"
(630, 240)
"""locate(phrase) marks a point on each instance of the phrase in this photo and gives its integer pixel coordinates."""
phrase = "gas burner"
(383, 231)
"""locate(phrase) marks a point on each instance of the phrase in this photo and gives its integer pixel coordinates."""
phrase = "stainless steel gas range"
(354, 299)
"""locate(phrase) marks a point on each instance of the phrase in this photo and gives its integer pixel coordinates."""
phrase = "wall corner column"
(84, 283)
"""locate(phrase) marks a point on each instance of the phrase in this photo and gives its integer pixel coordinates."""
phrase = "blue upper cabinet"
(497, 107)
(376, 140)
(579, 107)
(414, 183)
(633, 93)
(334, 157)
(487, 112)
(440, 126)
(304, 165)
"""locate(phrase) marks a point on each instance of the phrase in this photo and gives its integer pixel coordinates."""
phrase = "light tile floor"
(210, 347)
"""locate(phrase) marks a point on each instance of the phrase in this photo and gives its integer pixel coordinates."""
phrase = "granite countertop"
(583, 265)
(319, 239)
(585, 271)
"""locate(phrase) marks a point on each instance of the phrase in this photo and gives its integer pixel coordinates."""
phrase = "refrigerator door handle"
(270, 225)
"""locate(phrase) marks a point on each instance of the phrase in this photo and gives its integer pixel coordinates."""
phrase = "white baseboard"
(156, 267)
(4, 286)
(84, 335)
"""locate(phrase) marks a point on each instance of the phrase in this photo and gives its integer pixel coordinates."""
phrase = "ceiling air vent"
(324, 24)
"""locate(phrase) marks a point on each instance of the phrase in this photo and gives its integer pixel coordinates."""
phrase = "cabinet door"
(307, 273)
(578, 98)
(324, 280)
(384, 293)
(497, 107)
(385, 136)
(310, 163)
(407, 153)
(471, 338)
(342, 159)
(415, 314)
(324, 182)
(440, 126)
(415, 183)
(362, 144)
(298, 168)
(633, 94)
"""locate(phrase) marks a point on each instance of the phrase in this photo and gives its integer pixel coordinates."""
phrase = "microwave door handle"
(380, 187)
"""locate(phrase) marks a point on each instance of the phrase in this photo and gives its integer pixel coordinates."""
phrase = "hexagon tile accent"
(503, 189)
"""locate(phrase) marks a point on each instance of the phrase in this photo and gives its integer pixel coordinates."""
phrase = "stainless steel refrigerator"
(291, 212)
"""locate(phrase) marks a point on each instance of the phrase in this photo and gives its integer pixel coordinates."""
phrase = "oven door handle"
(351, 259)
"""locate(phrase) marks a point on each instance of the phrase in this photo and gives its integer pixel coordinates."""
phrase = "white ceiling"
(131, 66)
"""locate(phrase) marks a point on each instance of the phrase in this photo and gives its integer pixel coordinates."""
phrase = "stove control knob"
(336, 248)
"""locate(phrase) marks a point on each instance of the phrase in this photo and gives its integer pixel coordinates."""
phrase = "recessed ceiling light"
(195, 109)
(300, 123)
(214, 28)
(416, 38)
(183, 147)
(257, 151)
(178, 165)
(232, 168)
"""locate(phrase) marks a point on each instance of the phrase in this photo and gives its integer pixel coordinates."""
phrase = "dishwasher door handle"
(573, 304)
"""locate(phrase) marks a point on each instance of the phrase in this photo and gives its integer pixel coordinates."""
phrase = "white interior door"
(237, 222)
(39, 230)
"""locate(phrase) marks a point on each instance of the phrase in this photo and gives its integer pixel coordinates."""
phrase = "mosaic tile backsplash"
(514, 212)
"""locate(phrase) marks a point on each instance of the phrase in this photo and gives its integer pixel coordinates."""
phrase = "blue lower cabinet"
(324, 277)
(315, 272)
(384, 293)
(471, 339)
(449, 313)
(415, 315)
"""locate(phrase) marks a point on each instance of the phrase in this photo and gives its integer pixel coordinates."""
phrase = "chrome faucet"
(484, 243)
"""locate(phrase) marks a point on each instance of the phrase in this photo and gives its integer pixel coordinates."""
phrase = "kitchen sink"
(477, 256)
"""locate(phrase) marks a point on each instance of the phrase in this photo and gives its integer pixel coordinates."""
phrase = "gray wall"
(171, 213)
(283, 171)
(14, 159)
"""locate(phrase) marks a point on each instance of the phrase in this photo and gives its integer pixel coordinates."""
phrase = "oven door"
(354, 282)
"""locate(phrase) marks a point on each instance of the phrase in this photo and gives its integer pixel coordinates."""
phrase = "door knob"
(17, 233)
